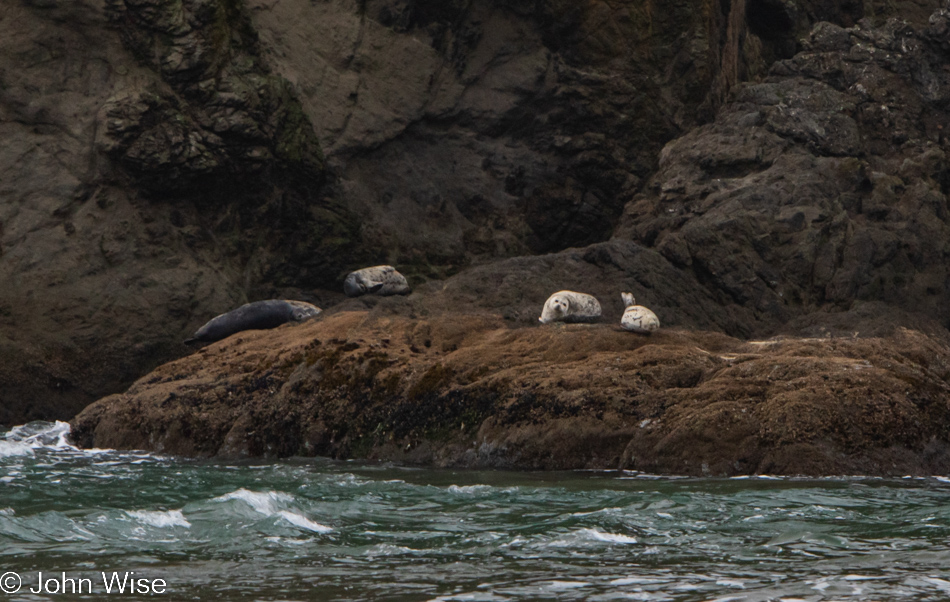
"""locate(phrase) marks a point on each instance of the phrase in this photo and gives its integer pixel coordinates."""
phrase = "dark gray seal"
(259, 315)
(377, 280)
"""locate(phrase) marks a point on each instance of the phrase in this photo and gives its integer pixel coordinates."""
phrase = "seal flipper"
(375, 288)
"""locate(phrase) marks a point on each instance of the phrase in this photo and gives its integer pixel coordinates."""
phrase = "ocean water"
(77, 525)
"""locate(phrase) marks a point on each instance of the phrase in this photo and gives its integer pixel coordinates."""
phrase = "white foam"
(261, 502)
(941, 584)
(287, 541)
(268, 503)
(159, 518)
(468, 597)
(821, 585)
(303, 522)
(567, 584)
(468, 489)
(41, 435)
(636, 474)
(608, 537)
(10, 449)
(386, 549)
(601, 511)
(639, 581)
(584, 537)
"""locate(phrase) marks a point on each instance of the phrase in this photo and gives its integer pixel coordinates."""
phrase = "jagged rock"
(820, 189)
(222, 115)
(138, 201)
(520, 127)
(516, 288)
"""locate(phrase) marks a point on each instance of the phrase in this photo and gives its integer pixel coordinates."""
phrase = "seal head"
(303, 311)
(555, 308)
(356, 285)
(637, 318)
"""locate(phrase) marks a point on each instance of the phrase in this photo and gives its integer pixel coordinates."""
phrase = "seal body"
(259, 315)
(569, 306)
(637, 318)
(377, 280)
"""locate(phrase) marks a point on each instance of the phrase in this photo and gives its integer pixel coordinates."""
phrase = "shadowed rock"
(821, 190)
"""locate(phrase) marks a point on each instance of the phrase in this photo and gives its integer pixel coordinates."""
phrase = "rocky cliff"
(166, 160)
(154, 169)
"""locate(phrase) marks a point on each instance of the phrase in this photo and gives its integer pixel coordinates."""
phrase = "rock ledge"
(467, 390)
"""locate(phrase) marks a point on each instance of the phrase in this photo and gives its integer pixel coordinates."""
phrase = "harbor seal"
(637, 318)
(259, 315)
(569, 306)
(377, 280)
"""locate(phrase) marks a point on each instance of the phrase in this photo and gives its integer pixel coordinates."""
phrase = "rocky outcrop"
(153, 170)
(217, 118)
(466, 390)
(165, 161)
(814, 204)
(821, 189)
(512, 128)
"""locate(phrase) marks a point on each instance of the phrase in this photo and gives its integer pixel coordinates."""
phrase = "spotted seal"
(637, 318)
(569, 306)
(259, 315)
(377, 280)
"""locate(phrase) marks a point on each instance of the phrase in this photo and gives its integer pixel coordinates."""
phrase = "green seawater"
(326, 530)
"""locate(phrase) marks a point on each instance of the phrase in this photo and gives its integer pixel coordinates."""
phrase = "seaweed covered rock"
(465, 390)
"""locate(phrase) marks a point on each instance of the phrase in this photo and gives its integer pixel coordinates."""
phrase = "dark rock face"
(222, 118)
(820, 189)
(223, 132)
(153, 172)
(516, 288)
(505, 128)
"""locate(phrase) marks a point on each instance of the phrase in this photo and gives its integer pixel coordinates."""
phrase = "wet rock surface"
(466, 390)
